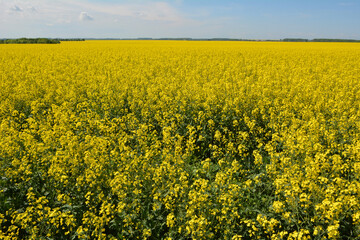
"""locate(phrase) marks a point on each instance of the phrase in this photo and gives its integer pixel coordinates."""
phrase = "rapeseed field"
(180, 140)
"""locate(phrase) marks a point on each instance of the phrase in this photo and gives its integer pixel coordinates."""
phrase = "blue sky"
(251, 19)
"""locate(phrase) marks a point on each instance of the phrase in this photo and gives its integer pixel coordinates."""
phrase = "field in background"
(180, 140)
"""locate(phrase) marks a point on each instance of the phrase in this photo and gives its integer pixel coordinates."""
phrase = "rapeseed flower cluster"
(180, 140)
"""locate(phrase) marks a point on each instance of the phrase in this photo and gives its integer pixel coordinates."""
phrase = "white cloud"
(152, 11)
(56, 9)
(15, 8)
(32, 9)
(84, 16)
(109, 18)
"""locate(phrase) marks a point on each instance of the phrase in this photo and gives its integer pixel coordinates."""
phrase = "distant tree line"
(29, 41)
(38, 40)
(70, 39)
(250, 40)
(295, 40)
(58, 40)
(334, 40)
(318, 40)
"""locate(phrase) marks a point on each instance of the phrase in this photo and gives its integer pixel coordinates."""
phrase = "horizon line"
(288, 39)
